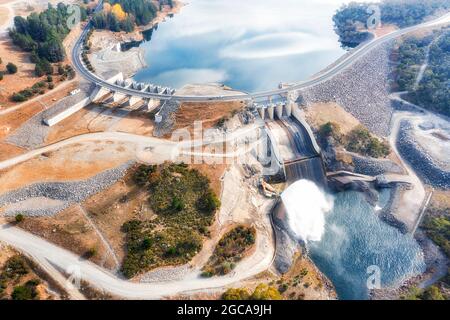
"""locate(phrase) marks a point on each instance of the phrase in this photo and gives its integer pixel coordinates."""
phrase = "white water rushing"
(306, 206)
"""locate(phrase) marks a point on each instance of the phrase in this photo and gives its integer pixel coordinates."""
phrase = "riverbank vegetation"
(358, 140)
(261, 292)
(350, 20)
(437, 227)
(124, 15)
(184, 207)
(43, 33)
(433, 90)
(230, 250)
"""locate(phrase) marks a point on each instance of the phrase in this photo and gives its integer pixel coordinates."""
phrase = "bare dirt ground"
(441, 199)
(320, 113)
(4, 16)
(209, 113)
(71, 230)
(9, 150)
(383, 30)
(305, 282)
(76, 162)
(14, 82)
(101, 118)
(110, 209)
(14, 118)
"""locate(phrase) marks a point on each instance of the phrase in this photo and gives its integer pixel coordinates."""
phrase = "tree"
(118, 11)
(330, 129)
(52, 50)
(265, 292)
(209, 202)
(432, 293)
(11, 67)
(26, 292)
(127, 24)
(19, 218)
(236, 294)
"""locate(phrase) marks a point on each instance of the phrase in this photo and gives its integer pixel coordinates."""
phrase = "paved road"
(321, 77)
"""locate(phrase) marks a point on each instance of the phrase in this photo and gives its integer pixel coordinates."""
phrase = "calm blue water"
(354, 239)
(249, 45)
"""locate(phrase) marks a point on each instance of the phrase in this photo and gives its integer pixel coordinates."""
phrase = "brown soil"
(76, 162)
(441, 199)
(9, 151)
(74, 125)
(136, 122)
(14, 82)
(214, 173)
(98, 118)
(304, 282)
(14, 119)
(383, 30)
(116, 205)
(4, 14)
(320, 113)
(209, 113)
(70, 230)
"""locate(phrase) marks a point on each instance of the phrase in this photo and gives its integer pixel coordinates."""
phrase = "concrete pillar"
(262, 112)
(152, 104)
(270, 111)
(295, 109)
(288, 108)
(118, 96)
(115, 78)
(133, 100)
(279, 110)
(98, 92)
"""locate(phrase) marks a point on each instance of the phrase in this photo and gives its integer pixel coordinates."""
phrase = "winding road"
(53, 259)
(319, 78)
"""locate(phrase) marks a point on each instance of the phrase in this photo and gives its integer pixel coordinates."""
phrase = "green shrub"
(265, 292)
(330, 129)
(26, 292)
(11, 68)
(361, 141)
(175, 235)
(229, 250)
(236, 294)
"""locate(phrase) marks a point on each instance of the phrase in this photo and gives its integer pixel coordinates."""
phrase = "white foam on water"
(306, 206)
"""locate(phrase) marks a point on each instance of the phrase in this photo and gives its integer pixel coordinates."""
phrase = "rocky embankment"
(419, 159)
(57, 196)
(362, 89)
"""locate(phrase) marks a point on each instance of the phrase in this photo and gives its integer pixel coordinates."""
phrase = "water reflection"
(252, 45)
